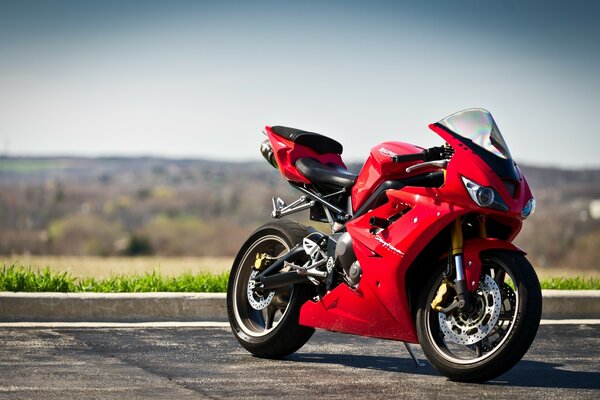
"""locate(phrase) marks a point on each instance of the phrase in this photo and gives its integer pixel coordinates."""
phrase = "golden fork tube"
(482, 227)
(457, 237)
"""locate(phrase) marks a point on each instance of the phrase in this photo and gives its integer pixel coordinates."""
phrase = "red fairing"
(385, 259)
(465, 163)
(379, 307)
(363, 311)
(287, 152)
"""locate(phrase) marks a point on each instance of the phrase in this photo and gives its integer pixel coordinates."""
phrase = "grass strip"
(21, 279)
(576, 283)
(15, 278)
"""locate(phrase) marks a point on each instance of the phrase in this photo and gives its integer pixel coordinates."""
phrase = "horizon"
(255, 160)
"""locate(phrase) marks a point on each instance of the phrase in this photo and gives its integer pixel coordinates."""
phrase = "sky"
(201, 79)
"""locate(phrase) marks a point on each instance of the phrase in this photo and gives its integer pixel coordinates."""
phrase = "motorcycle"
(420, 250)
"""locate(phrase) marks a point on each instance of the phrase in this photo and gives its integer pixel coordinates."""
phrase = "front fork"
(460, 284)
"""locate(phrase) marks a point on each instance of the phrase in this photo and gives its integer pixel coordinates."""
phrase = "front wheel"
(489, 341)
(266, 323)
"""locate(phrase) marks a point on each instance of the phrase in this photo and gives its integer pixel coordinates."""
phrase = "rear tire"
(517, 322)
(259, 331)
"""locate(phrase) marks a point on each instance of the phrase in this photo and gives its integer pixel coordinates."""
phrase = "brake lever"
(438, 164)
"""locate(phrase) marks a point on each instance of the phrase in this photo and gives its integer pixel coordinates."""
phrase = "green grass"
(22, 279)
(576, 283)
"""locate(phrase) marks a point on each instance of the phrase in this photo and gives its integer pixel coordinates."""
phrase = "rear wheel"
(495, 336)
(266, 323)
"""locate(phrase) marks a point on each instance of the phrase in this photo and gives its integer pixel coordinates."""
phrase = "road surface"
(206, 362)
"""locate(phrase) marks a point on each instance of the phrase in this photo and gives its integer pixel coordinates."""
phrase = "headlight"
(484, 196)
(529, 208)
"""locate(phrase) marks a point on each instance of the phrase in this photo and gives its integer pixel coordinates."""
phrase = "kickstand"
(413, 355)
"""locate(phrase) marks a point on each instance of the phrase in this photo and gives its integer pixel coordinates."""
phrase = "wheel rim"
(272, 306)
(490, 335)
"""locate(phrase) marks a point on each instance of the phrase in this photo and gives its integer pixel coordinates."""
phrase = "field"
(105, 267)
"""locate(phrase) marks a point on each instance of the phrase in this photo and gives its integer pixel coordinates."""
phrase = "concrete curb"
(112, 307)
(148, 307)
(571, 304)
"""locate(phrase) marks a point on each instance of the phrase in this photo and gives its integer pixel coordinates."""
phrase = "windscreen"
(477, 125)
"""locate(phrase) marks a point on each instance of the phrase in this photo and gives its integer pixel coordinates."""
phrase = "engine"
(345, 259)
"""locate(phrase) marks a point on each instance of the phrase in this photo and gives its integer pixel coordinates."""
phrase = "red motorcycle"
(420, 250)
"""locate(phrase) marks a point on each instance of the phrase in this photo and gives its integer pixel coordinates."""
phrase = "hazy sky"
(202, 78)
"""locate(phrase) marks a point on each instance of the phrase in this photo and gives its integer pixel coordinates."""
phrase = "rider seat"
(319, 143)
(326, 175)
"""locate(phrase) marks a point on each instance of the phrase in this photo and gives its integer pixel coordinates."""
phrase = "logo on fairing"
(388, 246)
(387, 152)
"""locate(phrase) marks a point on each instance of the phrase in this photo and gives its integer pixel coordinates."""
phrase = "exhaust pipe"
(267, 152)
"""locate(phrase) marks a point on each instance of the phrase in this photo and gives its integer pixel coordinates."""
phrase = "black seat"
(319, 143)
(327, 175)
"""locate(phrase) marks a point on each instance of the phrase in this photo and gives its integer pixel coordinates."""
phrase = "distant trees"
(84, 234)
(132, 206)
(138, 245)
(121, 206)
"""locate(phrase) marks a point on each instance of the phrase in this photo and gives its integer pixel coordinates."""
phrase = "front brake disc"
(466, 329)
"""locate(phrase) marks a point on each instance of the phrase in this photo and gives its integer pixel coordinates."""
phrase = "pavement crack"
(103, 352)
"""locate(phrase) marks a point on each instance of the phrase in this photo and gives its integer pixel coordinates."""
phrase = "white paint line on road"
(570, 322)
(206, 324)
(157, 324)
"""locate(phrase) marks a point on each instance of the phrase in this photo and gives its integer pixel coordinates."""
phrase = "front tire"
(267, 324)
(486, 344)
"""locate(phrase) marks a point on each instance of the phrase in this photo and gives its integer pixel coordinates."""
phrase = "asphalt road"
(199, 363)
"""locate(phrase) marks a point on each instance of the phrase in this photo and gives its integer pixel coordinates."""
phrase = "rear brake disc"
(256, 300)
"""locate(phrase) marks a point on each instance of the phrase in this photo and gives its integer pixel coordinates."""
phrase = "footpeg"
(278, 206)
(280, 209)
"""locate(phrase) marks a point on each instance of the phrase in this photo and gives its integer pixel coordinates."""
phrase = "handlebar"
(431, 154)
(409, 157)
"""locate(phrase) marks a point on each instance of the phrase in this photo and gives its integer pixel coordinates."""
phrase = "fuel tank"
(379, 168)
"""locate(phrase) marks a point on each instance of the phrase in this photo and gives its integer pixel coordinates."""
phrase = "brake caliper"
(443, 295)
(263, 260)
